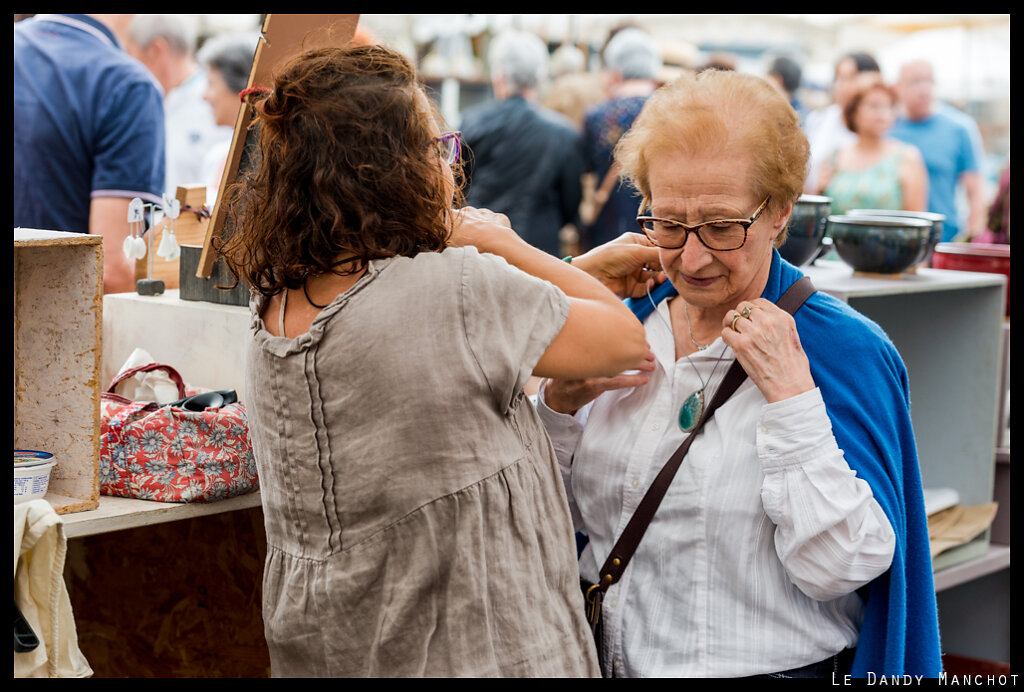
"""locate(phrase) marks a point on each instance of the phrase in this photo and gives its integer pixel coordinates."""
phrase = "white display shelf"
(995, 558)
(948, 327)
(117, 513)
(204, 342)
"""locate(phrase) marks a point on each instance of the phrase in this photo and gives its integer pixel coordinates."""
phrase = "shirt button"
(656, 426)
(636, 482)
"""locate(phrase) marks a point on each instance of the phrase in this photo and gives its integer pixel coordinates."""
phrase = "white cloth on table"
(40, 593)
(750, 564)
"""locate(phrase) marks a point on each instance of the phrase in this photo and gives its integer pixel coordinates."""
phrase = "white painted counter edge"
(117, 513)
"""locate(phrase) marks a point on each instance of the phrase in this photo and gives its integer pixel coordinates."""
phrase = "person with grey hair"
(632, 62)
(522, 159)
(633, 55)
(227, 59)
(165, 44)
(518, 61)
(567, 59)
(946, 139)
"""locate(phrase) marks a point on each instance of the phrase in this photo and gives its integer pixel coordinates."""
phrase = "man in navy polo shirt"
(88, 132)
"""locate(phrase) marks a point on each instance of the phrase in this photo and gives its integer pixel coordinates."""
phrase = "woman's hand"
(625, 265)
(480, 228)
(569, 396)
(764, 338)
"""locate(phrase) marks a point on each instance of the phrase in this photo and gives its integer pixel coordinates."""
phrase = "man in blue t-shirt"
(947, 147)
(88, 133)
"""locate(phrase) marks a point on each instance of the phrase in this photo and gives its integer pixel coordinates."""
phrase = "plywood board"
(58, 318)
(180, 599)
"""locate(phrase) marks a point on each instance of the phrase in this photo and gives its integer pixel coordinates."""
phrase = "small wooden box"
(58, 326)
(197, 288)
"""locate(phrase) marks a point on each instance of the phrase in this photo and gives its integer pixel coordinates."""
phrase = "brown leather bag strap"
(624, 548)
(605, 190)
(601, 195)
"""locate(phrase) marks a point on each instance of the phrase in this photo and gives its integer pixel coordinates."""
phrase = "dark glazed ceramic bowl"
(934, 238)
(879, 244)
(806, 229)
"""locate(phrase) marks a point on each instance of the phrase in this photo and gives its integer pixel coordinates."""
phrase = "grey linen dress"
(415, 515)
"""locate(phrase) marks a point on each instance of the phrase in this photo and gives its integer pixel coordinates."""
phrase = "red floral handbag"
(170, 453)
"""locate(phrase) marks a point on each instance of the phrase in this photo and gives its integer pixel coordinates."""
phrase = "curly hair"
(718, 112)
(345, 171)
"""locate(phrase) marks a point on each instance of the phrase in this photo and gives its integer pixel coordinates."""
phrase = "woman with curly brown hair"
(416, 522)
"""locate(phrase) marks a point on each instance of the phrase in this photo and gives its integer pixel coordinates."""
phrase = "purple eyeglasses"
(449, 146)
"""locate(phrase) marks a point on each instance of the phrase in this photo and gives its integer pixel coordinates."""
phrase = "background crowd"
(877, 144)
(539, 140)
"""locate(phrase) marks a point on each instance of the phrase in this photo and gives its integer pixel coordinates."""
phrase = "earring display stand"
(189, 229)
(140, 248)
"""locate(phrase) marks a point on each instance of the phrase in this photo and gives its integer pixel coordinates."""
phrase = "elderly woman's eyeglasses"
(448, 147)
(721, 234)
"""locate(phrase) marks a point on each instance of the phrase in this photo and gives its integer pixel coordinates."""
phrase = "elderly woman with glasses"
(415, 517)
(792, 540)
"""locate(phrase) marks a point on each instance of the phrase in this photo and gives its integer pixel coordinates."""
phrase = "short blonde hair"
(721, 112)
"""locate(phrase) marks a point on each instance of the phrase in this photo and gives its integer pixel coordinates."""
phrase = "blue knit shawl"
(864, 384)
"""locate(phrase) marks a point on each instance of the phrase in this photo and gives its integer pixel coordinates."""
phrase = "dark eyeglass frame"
(456, 151)
(745, 223)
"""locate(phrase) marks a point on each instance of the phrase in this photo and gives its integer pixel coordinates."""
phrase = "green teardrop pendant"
(689, 412)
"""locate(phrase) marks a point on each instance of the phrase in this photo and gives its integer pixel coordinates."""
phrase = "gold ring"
(732, 325)
(746, 312)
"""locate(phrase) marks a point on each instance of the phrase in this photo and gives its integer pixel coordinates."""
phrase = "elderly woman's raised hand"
(624, 265)
(764, 338)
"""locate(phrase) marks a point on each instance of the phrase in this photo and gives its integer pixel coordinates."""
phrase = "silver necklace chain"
(689, 328)
(703, 385)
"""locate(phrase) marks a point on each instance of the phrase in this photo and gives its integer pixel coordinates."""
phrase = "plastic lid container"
(31, 474)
